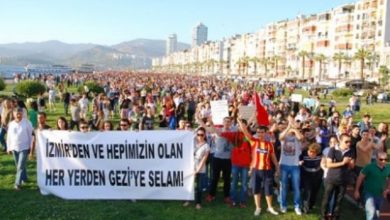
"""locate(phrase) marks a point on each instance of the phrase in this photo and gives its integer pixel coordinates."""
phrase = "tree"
(265, 62)
(384, 79)
(92, 86)
(362, 55)
(372, 60)
(320, 58)
(29, 88)
(255, 61)
(276, 60)
(339, 58)
(303, 55)
(2, 84)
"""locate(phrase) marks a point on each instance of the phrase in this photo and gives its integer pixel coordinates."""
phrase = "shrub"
(342, 92)
(29, 88)
(2, 84)
(92, 87)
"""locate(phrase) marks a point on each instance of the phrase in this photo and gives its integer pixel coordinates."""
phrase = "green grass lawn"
(30, 204)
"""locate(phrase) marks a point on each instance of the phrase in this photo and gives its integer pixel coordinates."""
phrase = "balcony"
(344, 46)
(322, 43)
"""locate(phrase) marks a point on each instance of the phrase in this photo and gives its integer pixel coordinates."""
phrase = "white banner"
(296, 97)
(219, 110)
(116, 164)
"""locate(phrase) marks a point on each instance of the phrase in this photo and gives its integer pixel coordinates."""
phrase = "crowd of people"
(302, 146)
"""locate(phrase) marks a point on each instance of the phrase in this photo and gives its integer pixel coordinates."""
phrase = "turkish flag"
(261, 113)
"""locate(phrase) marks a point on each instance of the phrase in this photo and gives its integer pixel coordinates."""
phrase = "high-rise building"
(199, 35)
(171, 44)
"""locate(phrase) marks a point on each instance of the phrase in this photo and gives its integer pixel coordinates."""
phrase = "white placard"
(116, 164)
(296, 97)
(219, 110)
(246, 112)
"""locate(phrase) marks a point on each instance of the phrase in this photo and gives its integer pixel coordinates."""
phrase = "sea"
(8, 71)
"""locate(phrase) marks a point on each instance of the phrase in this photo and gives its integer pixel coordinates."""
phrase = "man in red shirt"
(260, 168)
(241, 159)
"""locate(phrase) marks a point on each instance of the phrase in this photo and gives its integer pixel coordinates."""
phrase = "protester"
(222, 163)
(6, 117)
(19, 139)
(260, 168)
(201, 153)
(62, 124)
(374, 178)
(338, 162)
(311, 175)
(289, 165)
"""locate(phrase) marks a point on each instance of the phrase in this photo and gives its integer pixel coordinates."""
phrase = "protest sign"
(219, 110)
(296, 97)
(116, 164)
(246, 112)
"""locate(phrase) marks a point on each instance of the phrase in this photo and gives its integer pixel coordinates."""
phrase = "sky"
(110, 22)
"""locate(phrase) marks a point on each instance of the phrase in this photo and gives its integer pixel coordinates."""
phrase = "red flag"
(261, 113)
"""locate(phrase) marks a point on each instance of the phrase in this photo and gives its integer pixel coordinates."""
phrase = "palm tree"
(276, 60)
(372, 60)
(362, 55)
(320, 58)
(221, 64)
(239, 63)
(255, 61)
(288, 71)
(303, 54)
(265, 62)
(339, 58)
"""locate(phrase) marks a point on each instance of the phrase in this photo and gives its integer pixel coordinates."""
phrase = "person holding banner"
(62, 124)
(19, 140)
(260, 168)
(201, 152)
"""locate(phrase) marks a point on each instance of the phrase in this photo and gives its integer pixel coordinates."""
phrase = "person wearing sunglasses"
(124, 124)
(339, 163)
(374, 176)
(83, 125)
(201, 152)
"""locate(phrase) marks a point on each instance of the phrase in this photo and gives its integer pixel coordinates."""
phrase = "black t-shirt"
(310, 164)
(338, 175)
(354, 141)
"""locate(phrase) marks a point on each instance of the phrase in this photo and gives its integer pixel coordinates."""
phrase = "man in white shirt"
(83, 103)
(19, 140)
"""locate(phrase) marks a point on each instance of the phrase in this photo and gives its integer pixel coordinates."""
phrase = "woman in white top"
(201, 153)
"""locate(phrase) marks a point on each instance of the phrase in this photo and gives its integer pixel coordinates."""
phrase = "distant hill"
(146, 47)
(130, 54)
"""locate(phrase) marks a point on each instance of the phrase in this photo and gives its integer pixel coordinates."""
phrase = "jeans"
(3, 131)
(206, 181)
(338, 189)
(372, 205)
(310, 184)
(295, 173)
(239, 173)
(225, 166)
(20, 158)
(198, 189)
